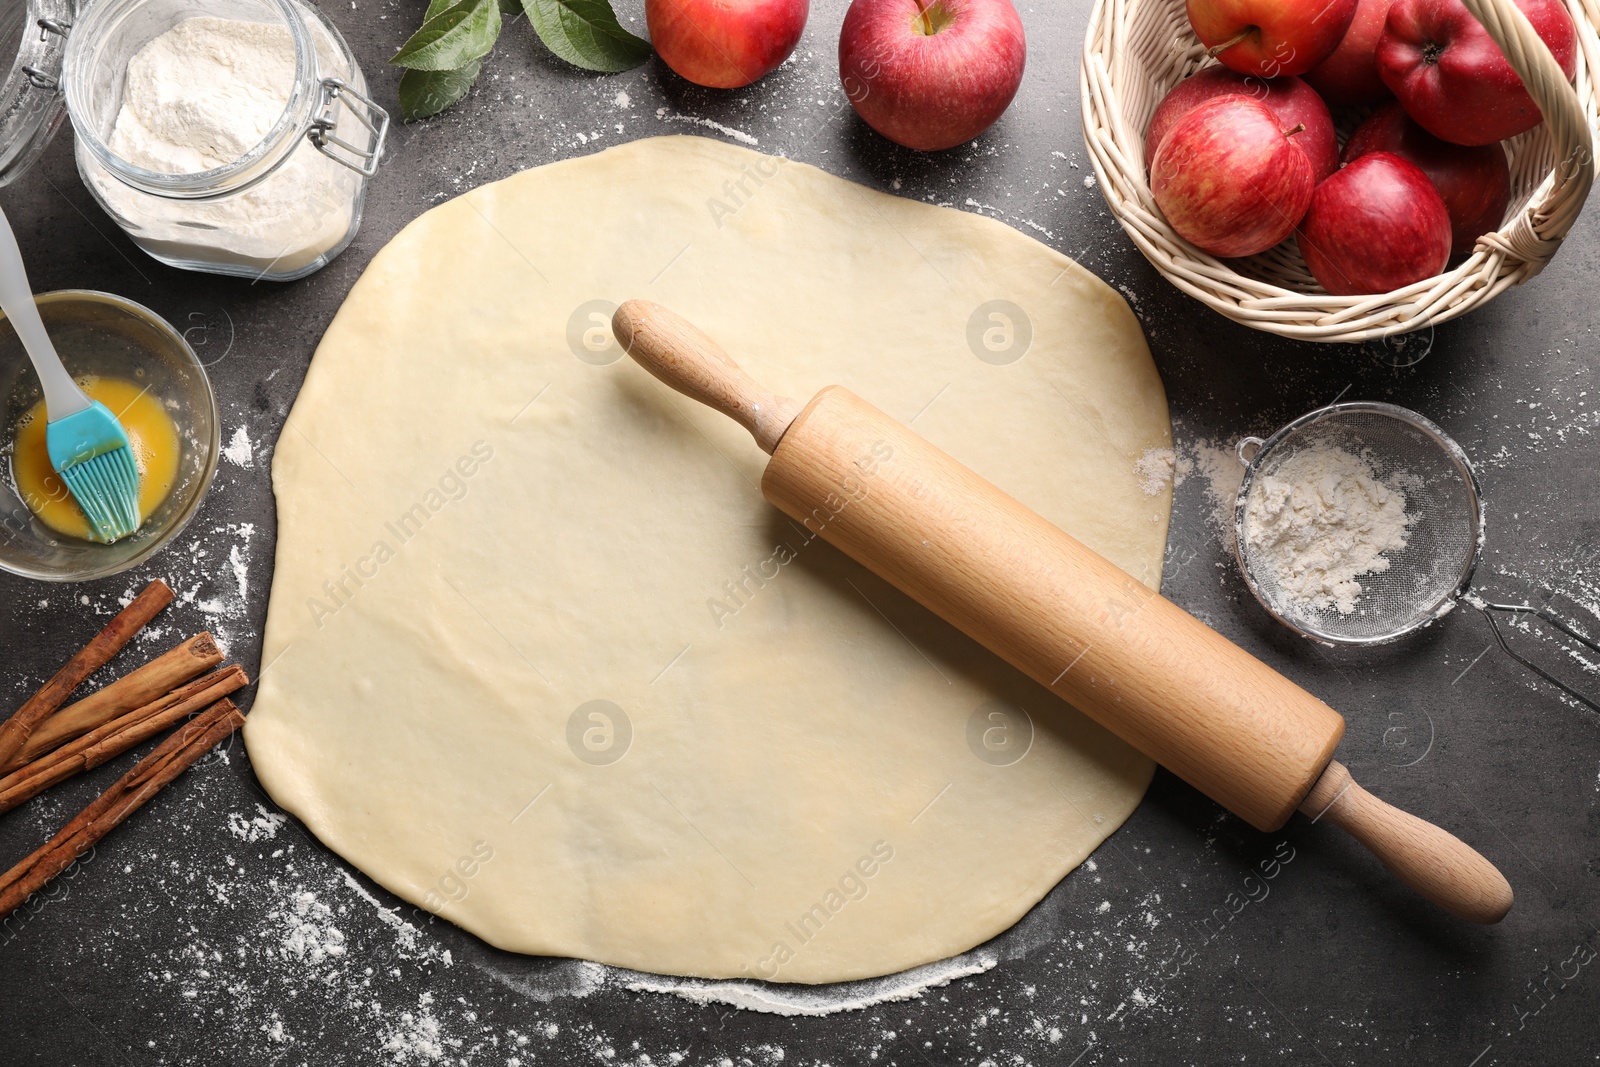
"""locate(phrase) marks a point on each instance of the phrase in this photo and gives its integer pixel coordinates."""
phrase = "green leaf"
(586, 34)
(510, 7)
(425, 93)
(453, 38)
(439, 7)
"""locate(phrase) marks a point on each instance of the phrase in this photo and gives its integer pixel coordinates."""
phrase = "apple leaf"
(586, 34)
(452, 38)
(425, 93)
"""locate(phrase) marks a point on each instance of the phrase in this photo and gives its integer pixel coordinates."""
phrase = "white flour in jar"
(1319, 521)
(202, 95)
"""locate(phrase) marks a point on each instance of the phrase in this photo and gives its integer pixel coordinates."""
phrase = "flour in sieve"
(1319, 521)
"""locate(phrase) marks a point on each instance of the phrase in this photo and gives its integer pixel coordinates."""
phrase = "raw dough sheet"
(541, 659)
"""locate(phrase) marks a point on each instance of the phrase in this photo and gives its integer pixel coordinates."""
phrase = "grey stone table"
(210, 930)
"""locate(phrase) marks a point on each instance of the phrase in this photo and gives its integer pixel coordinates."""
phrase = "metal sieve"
(1426, 578)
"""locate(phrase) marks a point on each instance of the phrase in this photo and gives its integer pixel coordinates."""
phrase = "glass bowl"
(97, 333)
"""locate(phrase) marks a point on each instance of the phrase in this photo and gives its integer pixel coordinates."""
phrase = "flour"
(285, 956)
(418, 1037)
(666, 115)
(308, 934)
(202, 95)
(815, 1000)
(1160, 469)
(239, 451)
(1220, 467)
(263, 827)
(1320, 520)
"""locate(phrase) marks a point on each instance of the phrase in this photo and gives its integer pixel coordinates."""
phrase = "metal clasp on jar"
(36, 77)
(363, 161)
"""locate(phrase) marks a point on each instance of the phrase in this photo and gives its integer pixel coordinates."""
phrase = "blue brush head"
(90, 450)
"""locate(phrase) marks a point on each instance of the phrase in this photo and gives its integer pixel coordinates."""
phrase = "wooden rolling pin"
(1067, 617)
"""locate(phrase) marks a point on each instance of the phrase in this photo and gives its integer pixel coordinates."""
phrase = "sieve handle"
(1432, 861)
(1488, 610)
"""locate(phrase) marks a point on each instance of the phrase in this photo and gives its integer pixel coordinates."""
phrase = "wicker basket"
(1139, 49)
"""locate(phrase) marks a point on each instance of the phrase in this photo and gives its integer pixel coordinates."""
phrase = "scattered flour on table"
(279, 957)
(210, 579)
(551, 980)
(1216, 472)
(264, 826)
(666, 115)
(205, 586)
(407, 941)
(1320, 520)
(1223, 473)
(417, 1037)
(309, 934)
(239, 451)
(240, 566)
(820, 1000)
(1161, 468)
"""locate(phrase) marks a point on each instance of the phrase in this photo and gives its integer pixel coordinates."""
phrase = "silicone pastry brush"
(1064, 615)
(88, 446)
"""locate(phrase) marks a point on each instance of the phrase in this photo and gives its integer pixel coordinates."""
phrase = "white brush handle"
(62, 397)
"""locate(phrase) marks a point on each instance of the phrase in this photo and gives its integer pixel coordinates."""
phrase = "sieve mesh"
(1444, 521)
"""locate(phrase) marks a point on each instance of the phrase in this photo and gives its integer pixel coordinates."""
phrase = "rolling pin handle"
(1432, 861)
(675, 351)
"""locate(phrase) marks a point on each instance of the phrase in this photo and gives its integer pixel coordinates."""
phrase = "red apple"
(931, 74)
(1350, 74)
(1453, 79)
(1229, 179)
(1474, 182)
(1270, 38)
(1377, 225)
(724, 44)
(1291, 99)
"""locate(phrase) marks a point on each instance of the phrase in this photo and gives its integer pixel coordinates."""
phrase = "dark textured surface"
(201, 932)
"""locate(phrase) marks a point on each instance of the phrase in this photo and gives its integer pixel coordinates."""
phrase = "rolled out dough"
(541, 659)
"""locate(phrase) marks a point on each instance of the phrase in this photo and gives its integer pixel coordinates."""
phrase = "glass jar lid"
(32, 103)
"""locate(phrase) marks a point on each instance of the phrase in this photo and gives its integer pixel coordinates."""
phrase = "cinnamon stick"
(170, 759)
(108, 642)
(134, 690)
(118, 736)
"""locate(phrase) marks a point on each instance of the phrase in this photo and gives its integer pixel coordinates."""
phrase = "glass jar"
(30, 96)
(279, 211)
